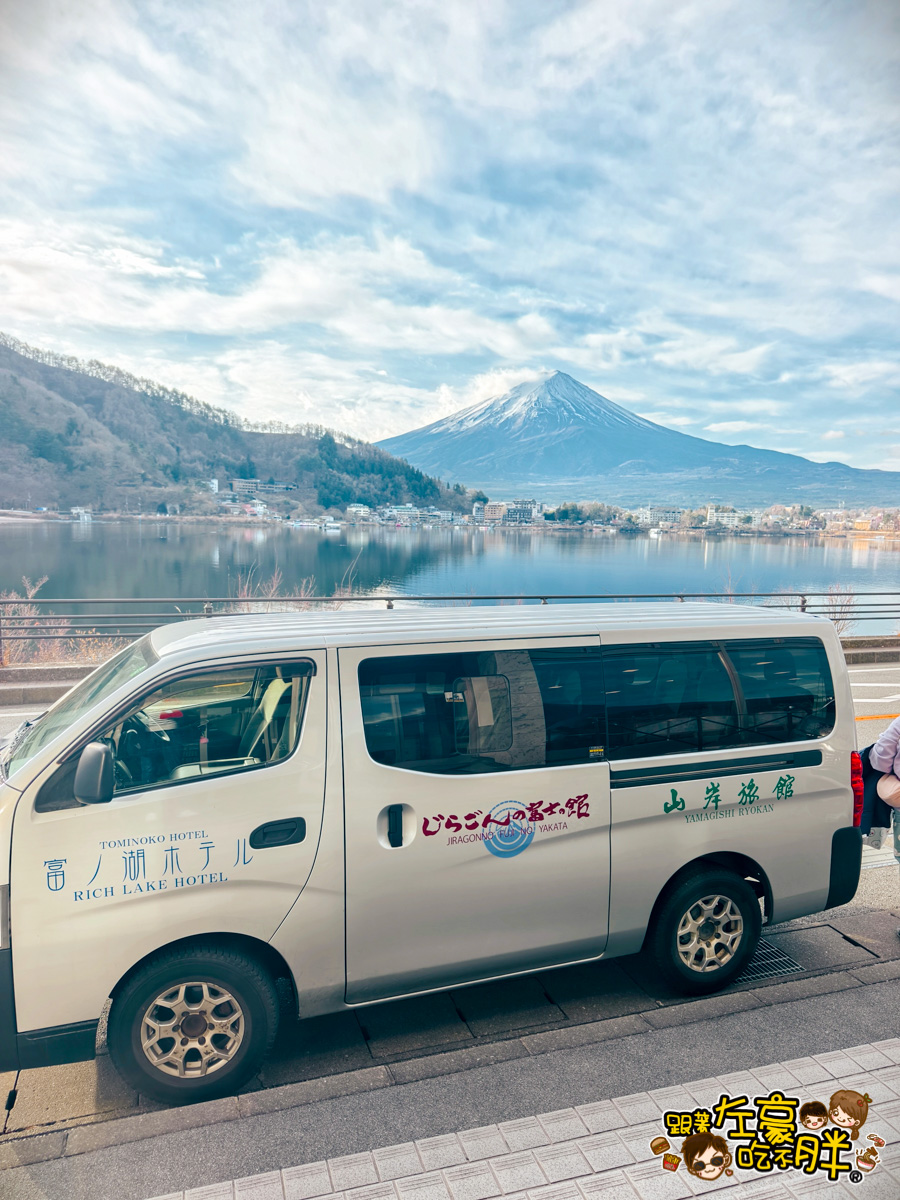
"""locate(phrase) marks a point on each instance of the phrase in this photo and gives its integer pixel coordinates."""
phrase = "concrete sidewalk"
(346, 1131)
(603, 1149)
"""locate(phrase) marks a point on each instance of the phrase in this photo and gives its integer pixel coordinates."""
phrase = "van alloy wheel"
(193, 1023)
(704, 931)
(192, 1029)
(710, 933)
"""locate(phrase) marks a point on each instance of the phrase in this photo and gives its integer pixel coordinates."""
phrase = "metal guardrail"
(120, 618)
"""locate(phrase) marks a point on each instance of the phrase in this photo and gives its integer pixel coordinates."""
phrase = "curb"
(43, 1144)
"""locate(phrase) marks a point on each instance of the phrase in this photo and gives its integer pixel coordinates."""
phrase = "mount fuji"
(557, 439)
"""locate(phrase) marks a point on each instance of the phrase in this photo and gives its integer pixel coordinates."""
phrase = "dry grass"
(270, 595)
(26, 622)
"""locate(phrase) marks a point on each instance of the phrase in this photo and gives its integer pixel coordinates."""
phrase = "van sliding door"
(476, 811)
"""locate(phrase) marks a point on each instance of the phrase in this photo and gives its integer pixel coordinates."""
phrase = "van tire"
(674, 934)
(233, 1004)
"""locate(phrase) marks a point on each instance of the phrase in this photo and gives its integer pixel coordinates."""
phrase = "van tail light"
(856, 783)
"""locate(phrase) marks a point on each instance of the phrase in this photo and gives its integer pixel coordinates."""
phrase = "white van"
(378, 804)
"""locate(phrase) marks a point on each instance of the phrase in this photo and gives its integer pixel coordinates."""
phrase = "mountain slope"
(84, 433)
(559, 438)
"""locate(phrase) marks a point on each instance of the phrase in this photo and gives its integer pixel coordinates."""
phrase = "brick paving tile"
(563, 1125)
(888, 1116)
(524, 1134)
(611, 1185)
(601, 1116)
(352, 1170)
(741, 1083)
(555, 1191)
(393, 1162)
(837, 1063)
(637, 1108)
(879, 1089)
(171, 1196)
(807, 1071)
(473, 1181)
(212, 1191)
(605, 1151)
(869, 1057)
(775, 1078)
(801, 1188)
(260, 1187)
(638, 1138)
(442, 1151)
(306, 1182)
(651, 1182)
(564, 1161)
(483, 1142)
(672, 1098)
(705, 1091)
(889, 1075)
(373, 1191)
(765, 1189)
(423, 1187)
(517, 1172)
(880, 1185)
(890, 1048)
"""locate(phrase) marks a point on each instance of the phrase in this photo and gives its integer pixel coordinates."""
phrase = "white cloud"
(832, 435)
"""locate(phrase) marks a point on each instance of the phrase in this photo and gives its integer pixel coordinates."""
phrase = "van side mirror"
(94, 775)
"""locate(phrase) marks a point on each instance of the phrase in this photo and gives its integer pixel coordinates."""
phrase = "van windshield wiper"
(11, 741)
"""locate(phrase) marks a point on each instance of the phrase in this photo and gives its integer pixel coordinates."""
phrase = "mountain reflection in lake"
(168, 558)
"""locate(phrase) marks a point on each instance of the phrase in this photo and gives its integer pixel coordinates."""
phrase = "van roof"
(247, 632)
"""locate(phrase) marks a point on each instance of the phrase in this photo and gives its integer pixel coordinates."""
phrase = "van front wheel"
(705, 932)
(193, 1024)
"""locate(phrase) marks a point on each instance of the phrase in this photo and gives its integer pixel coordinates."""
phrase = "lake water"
(157, 558)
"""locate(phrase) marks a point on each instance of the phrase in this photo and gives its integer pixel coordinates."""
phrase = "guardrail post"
(803, 604)
(207, 609)
(390, 604)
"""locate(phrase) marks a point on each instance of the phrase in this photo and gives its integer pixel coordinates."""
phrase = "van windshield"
(32, 736)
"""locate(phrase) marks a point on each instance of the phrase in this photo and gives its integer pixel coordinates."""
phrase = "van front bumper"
(38, 1047)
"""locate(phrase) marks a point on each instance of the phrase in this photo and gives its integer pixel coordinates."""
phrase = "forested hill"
(78, 433)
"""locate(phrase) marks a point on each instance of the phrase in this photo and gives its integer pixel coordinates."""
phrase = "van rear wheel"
(193, 1024)
(705, 932)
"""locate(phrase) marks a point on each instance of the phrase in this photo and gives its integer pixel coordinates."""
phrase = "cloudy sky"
(369, 214)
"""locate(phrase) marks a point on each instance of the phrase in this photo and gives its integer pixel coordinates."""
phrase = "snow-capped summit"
(556, 402)
(557, 439)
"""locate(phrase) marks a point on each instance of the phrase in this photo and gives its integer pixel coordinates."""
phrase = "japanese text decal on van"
(508, 828)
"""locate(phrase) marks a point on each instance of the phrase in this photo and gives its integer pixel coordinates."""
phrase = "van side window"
(669, 699)
(787, 689)
(574, 702)
(453, 714)
(211, 723)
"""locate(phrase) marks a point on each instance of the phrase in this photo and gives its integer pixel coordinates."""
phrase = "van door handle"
(278, 833)
(395, 826)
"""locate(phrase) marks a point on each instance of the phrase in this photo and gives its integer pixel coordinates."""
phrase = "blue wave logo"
(507, 837)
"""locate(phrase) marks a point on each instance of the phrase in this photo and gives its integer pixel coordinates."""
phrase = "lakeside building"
(735, 519)
(521, 512)
(254, 486)
(657, 516)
